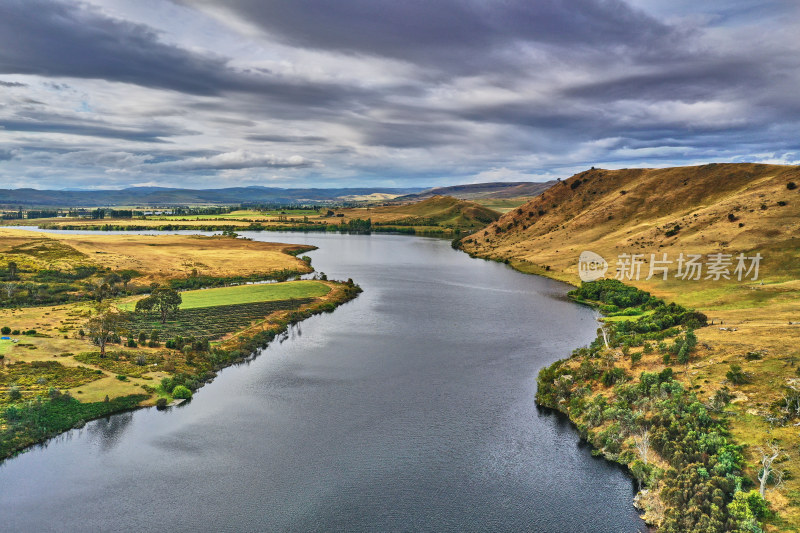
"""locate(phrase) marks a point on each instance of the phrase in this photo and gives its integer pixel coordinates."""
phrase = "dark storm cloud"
(425, 31)
(49, 38)
(699, 80)
(85, 129)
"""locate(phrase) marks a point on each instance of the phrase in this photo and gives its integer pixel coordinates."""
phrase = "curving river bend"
(410, 408)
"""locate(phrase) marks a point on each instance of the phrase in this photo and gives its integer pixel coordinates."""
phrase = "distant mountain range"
(157, 196)
(162, 196)
(476, 191)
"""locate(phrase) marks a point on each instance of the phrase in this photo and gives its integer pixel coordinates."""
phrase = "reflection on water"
(106, 432)
(410, 408)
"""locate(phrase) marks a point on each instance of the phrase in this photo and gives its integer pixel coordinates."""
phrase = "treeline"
(652, 419)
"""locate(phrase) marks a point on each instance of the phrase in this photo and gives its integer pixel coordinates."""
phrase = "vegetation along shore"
(93, 325)
(693, 380)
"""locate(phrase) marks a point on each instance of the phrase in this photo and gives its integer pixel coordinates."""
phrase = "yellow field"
(156, 257)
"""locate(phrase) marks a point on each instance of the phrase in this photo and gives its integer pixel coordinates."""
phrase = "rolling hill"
(749, 350)
(442, 211)
(475, 191)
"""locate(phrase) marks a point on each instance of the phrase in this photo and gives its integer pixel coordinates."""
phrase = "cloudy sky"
(213, 93)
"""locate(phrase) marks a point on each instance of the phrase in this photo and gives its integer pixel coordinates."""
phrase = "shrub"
(142, 337)
(161, 403)
(122, 377)
(15, 332)
(736, 376)
(791, 185)
(635, 358)
(168, 384)
(182, 393)
(6, 330)
(14, 393)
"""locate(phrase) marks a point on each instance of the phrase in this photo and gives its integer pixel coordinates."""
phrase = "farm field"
(55, 359)
(442, 214)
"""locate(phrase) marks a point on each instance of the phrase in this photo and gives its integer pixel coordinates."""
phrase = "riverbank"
(32, 417)
(57, 287)
(604, 387)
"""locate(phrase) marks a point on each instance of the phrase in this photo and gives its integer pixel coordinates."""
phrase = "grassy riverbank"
(749, 352)
(53, 378)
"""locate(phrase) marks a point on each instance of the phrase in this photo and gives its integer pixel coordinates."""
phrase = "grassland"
(53, 377)
(243, 294)
(717, 208)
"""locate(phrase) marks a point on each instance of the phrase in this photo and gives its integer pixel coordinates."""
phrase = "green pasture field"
(243, 294)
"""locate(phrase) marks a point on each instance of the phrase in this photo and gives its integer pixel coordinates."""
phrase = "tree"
(12, 270)
(103, 326)
(768, 453)
(10, 289)
(642, 442)
(102, 291)
(164, 300)
(126, 278)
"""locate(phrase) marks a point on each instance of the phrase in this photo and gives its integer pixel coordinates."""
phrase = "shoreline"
(243, 345)
(649, 500)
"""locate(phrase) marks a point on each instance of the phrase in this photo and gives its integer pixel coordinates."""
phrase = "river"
(410, 408)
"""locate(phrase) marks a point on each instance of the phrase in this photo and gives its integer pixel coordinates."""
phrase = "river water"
(410, 408)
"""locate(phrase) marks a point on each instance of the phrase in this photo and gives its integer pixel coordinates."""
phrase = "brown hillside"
(444, 211)
(728, 208)
(719, 207)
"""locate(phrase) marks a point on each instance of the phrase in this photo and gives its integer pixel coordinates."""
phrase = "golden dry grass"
(552, 230)
(157, 257)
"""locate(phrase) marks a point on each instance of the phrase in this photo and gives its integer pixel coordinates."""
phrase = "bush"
(161, 403)
(122, 377)
(6, 330)
(168, 384)
(14, 393)
(791, 185)
(182, 393)
(736, 376)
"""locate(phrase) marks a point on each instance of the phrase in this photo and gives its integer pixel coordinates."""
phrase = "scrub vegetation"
(743, 367)
(119, 342)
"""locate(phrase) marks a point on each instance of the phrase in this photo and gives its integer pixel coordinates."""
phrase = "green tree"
(163, 300)
(181, 392)
(103, 327)
(12, 270)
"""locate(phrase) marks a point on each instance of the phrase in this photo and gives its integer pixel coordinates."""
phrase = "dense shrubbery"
(702, 486)
(36, 420)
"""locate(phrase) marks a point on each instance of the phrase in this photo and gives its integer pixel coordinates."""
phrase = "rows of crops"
(209, 322)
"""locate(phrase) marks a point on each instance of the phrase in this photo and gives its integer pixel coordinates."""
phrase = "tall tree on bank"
(163, 300)
(103, 326)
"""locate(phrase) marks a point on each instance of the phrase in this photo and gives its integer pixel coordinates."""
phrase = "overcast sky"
(214, 93)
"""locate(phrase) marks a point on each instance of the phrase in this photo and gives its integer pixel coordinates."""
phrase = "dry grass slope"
(729, 208)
